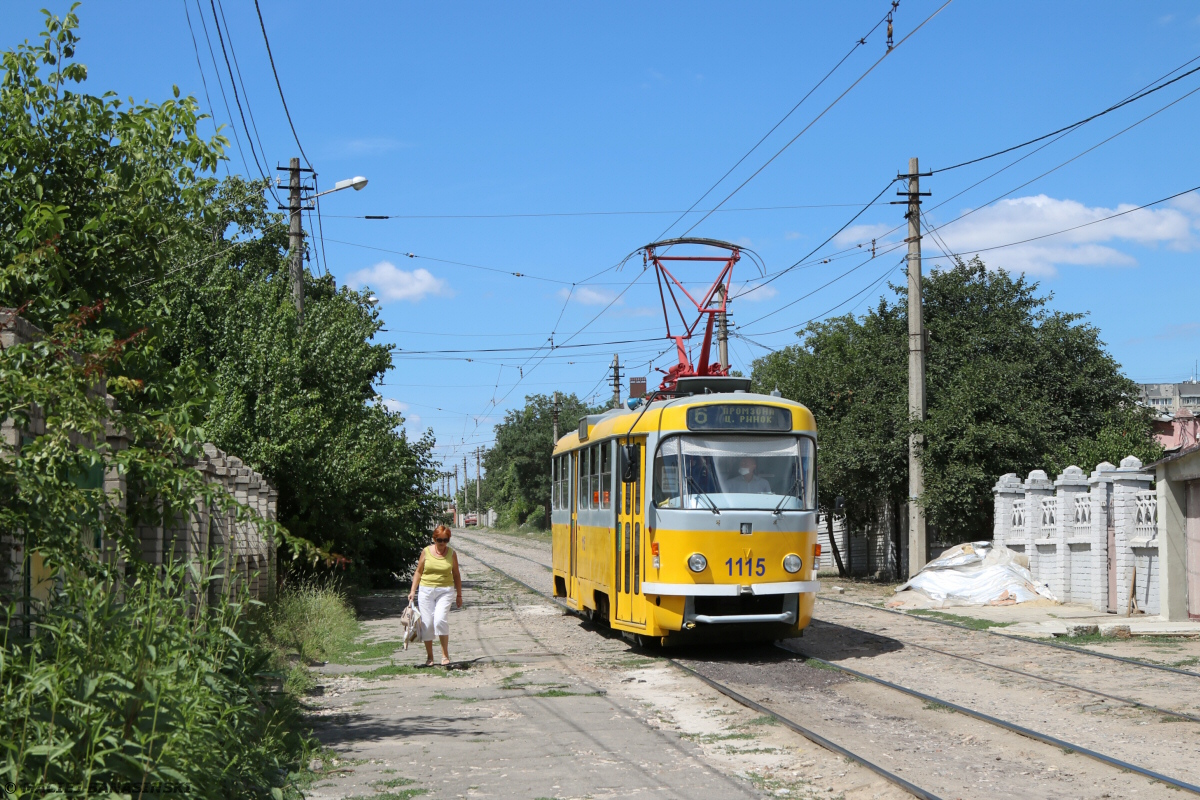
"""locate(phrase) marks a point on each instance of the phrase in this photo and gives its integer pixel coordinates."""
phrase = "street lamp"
(356, 183)
(296, 232)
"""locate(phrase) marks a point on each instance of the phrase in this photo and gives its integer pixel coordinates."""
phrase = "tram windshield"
(735, 472)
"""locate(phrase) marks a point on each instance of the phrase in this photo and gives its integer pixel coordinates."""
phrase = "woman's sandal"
(429, 663)
(445, 662)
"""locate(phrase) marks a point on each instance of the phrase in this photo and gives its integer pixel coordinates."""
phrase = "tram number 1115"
(747, 566)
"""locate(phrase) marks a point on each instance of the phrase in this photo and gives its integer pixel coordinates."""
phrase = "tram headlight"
(697, 562)
(792, 562)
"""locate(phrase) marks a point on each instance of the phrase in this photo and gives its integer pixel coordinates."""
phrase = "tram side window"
(595, 473)
(666, 475)
(605, 475)
(564, 486)
(555, 465)
(585, 479)
(557, 500)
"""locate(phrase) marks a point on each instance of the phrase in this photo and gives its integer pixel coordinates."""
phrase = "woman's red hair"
(441, 529)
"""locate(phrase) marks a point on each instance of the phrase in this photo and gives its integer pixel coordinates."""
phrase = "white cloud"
(392, 283)
(861, 233)
(739, 292)
(790, 235)
(589, 296)
(398, 407)
(1024, 218)
(371, 145)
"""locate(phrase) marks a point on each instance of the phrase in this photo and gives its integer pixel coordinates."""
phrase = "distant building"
(1171, 397)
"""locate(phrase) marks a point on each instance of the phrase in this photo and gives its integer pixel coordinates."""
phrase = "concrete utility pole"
(554, 420)
(616, 381)
(478, 480)
(296, 238)
(464, 484)
(918, 545)
(722, 332)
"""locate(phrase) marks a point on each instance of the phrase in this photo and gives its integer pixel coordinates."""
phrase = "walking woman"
(438, 580)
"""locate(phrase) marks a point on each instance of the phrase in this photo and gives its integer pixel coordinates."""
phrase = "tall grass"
(136, 689)
(313, 619)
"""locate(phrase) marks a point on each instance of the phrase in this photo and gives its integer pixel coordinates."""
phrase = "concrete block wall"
(1064, 529)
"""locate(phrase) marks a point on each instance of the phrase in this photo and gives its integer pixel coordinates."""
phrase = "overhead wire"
(1072, 228)
(237, 98)
(857, 44)
(1055, 138)
(204, 81)
(278, 85)
(249, 108)
(538, 215)
(1084, 121)
(454, 263)
(825, 111)
(221, 86)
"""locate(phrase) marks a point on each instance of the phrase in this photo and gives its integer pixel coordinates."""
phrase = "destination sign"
(736, 417)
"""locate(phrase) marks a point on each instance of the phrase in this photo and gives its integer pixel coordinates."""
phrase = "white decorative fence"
(1091, 538)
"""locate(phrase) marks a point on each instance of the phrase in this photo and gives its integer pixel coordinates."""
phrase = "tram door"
(630, 545)
(573, 573)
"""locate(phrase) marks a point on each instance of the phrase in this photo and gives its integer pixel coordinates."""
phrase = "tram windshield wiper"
(795, 485)
(692, 483)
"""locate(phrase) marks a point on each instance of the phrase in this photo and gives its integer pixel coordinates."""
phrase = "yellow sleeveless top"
(439, 570)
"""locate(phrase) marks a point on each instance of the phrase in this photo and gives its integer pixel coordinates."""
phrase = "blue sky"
(553, 108)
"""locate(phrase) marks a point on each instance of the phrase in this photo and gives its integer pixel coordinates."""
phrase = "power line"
(1068, 230)
(245, 94)
(203, 80)
(830, 310)
(1061, 134)
(589, 213)
(221, 85)
(858, 43)
(536, 349)
(1059, 166)
(1083, 121)
(236, 98)
(826, 110)
(828, 283)
(848, 223)
(279, 85)
(455, 263)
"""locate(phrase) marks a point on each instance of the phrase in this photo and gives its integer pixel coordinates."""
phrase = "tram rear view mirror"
(629, 463)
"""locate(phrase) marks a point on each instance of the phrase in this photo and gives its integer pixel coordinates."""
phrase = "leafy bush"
(130, 688)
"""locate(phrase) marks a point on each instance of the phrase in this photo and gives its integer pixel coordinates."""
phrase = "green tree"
(1012, 386)
(299, 402)
(517, 468)
(121, 682)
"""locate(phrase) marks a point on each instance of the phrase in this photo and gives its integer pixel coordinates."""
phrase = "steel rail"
(1045, 738)
(809, 734)
(1065, 684)
(1118, 698)
(1027, 640)
(812, 736)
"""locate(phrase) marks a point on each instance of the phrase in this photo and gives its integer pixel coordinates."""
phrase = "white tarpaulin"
(976, 574)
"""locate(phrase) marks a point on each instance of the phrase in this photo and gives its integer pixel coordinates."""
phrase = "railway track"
(1023, 639)
(725, 689)
(1025, 731)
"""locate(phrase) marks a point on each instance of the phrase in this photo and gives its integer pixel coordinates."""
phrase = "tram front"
(732, 518)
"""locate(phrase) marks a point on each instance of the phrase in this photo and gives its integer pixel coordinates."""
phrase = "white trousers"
(434, 604)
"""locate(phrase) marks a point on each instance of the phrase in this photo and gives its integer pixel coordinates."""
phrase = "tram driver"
(748, 480)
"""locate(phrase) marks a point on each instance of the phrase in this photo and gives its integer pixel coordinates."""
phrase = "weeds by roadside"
(974, 623)
(137, 686)
(309, 622)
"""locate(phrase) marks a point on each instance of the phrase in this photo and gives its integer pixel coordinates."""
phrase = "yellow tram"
(692, 514)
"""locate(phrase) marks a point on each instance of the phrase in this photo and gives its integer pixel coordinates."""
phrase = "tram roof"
(671, 415)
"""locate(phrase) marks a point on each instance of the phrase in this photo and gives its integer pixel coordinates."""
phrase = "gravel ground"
(945, 752)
